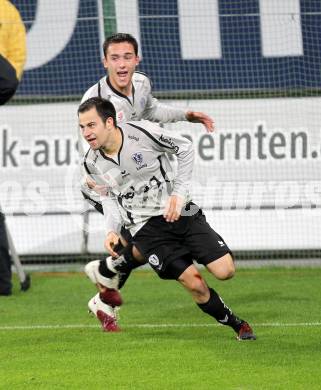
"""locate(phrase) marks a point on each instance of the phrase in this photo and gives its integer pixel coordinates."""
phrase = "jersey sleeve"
(155, 111)
(113, 220)
(112, 216)
(87, 171)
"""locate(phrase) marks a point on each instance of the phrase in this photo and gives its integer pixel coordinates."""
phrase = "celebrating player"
(130, 93)
(167, 227)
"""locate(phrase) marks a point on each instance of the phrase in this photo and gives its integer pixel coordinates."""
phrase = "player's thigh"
(165, 254)
(209, 248)
(127, 238)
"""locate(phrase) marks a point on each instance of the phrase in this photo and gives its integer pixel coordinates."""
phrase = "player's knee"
(138, 256)
(222, 268)
(225, 273)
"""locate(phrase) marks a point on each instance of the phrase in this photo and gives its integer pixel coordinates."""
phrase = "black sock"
(215, 307)
(124, 264)
(103, 269)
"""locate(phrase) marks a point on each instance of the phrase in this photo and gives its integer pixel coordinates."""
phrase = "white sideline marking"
(79, 326)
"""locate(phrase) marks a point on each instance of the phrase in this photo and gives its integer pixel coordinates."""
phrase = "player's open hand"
(200, 117)
(111, 240)
(173, 208)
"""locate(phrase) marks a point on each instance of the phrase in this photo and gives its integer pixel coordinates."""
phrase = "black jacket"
(8, 80)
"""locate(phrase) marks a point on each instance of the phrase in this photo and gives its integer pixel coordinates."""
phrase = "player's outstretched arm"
(200, 117)
(113, 222)
(156, 111)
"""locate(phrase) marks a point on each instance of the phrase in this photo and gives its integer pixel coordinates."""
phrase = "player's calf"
(215, 307)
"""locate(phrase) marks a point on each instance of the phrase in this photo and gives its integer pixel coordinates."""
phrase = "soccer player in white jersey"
(168, 228)
(130, 93)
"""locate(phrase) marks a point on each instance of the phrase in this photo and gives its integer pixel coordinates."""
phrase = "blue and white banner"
(257, 177)
(185, 45)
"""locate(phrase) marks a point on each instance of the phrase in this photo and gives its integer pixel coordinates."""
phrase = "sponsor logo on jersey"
(141, 167)
(144, 189)
(120, 116)
(133, 137)
(124, 174)
(170, 142)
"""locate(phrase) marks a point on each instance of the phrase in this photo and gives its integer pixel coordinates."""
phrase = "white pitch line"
(79, 326)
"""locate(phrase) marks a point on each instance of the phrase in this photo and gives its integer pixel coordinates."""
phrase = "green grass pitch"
(48, 341)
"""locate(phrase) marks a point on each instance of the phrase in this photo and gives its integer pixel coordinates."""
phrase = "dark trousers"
(8, 85)
(5, 260)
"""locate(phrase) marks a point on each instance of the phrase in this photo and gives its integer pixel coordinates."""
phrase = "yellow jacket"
(12, 36)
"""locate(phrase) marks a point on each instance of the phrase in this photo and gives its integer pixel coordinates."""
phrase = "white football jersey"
(141, 177)
(141, 105)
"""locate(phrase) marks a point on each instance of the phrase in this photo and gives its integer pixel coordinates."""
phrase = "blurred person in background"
(12, 60)
(12, 50)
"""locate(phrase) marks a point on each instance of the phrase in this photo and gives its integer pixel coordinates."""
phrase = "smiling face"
(120, 61)
(94, 130)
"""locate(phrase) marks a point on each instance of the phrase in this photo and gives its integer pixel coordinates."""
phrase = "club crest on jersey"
(138, 158)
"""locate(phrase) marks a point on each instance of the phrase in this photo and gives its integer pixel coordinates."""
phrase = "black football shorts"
(170, 248)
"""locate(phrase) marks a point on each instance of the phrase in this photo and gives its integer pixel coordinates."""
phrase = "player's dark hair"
(104, 108)
(119, 38)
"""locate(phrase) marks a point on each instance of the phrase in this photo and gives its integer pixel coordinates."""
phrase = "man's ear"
(104, 61)
(109, 122)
